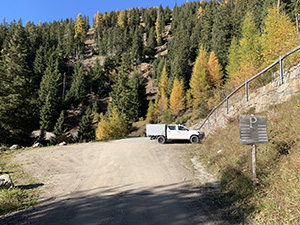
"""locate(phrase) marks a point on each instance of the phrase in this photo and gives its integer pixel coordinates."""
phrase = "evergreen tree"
(98, 80)
(77, 91)
(86, 131)
(59, 130)
(138, 89)
(151, 113)
(233, 59)
(250, 55)
(16, 92)
(151, 43)
(177, 98)
(137, 45)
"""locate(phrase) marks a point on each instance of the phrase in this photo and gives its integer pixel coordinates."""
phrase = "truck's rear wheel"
(194, 139)
(161, 139)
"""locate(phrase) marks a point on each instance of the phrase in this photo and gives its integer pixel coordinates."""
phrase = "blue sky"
(49, 10)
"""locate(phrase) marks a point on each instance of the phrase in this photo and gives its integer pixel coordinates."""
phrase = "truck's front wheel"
(194, 139)
(161, 139)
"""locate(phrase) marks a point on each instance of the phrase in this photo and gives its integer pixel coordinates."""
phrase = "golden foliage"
(79, 27)
(162, 104)
(113, 126)
(198, 82)
(214, 70)
(279, 37)
(177, 97)
(121, 19)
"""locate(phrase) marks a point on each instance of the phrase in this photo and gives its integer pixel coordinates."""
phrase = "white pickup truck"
(164, 132)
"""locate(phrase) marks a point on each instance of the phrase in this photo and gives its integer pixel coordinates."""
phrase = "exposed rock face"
(6, 182)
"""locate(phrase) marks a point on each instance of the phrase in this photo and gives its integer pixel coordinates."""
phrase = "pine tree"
(50, 96)
(77, 91)
(250, 55)
(138, 90)
(137, 45)
(98, 80)
(59, 130)
(86, 131)
(233, 59)
(151, 113)
(151, 43)
(214, 70)
(177, 97)
(199, 81)
(17, 116)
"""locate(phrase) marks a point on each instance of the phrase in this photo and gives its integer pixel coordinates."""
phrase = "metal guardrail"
(281, 58)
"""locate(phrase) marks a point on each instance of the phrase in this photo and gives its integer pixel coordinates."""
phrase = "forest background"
(195, 53)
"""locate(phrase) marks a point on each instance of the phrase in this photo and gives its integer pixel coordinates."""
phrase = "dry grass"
(276, 199)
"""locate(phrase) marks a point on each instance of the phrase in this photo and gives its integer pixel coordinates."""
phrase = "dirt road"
(126, 182)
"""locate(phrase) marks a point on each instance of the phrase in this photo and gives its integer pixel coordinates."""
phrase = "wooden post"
(254, 164)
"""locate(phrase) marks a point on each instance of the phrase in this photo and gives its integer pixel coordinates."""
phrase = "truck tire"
(194, 139)
(161, 139)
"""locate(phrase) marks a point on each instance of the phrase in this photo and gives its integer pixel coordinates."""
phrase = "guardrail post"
(215, 115)
(281, 69)
(227, 105)
(208, 123)
(247, 91)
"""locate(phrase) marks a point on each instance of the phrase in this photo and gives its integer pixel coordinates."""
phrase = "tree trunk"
(278, 5)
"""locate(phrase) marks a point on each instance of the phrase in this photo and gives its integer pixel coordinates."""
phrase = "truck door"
(172, 132)
(184, 132)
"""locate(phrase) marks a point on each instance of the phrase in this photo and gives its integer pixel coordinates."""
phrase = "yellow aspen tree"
(121, 17)
(98, 20)
(162, 104)
(199, 83)
(158, 32)
(177, 97)
(163, 84)
(214, 70)
(79, 28)
(279, 37)
(199, 13)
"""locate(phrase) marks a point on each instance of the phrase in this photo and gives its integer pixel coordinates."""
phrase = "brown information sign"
(253, 130)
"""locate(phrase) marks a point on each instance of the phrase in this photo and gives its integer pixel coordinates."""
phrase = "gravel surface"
(130, 181)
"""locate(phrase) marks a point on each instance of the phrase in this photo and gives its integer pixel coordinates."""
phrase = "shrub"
(113, 126)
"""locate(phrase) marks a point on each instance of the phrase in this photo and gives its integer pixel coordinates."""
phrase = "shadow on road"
(162, 205)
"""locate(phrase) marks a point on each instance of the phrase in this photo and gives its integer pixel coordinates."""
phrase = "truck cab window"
(172, 127)
(182, 128)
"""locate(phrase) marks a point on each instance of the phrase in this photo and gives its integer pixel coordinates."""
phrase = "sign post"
(253, 130)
